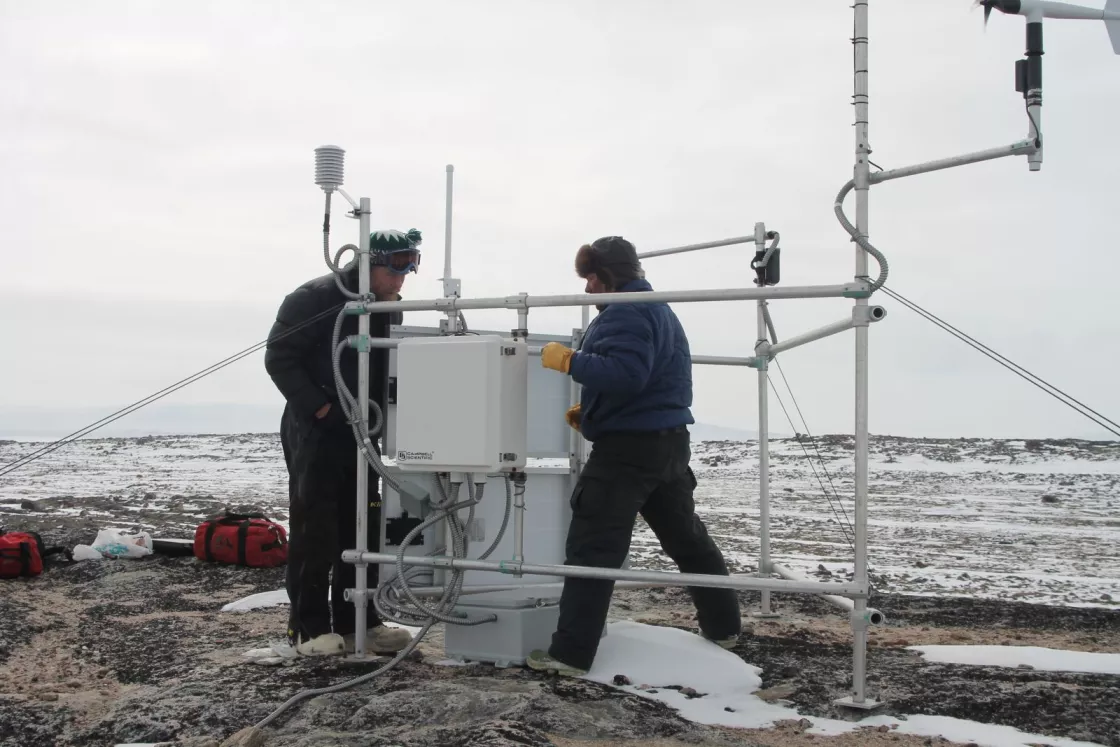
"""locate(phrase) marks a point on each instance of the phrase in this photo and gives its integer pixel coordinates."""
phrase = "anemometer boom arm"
(1036, 10)
(1028, 72)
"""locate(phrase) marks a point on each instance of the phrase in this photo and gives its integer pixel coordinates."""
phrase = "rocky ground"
(136, 651)
(107, 652)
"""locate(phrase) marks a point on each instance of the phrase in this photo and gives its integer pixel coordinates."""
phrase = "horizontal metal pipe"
(738, 581)
(722, 360)
(875, 617)
(697, 247)
(707, 360)
(384, 342)
(435, 591)
(1021, 148)
(813, 335)
(525, 301)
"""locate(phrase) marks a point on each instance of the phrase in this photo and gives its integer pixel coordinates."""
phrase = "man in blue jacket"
(636, 372)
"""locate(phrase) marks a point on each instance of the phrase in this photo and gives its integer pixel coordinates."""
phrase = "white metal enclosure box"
(549, 437)
(526, 615)
(462, 404)
(548, 513)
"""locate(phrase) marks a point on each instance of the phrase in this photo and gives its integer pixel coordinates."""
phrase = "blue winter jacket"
(635, 368)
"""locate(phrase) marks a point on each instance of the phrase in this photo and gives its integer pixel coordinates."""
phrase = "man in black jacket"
(320, 450)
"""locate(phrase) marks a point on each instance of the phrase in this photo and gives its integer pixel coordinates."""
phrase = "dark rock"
(248, 737)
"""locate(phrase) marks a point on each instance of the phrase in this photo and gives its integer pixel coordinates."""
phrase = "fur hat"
(612, 258)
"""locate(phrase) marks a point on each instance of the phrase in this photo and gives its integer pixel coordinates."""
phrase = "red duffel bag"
(23, 553)
(241, 539)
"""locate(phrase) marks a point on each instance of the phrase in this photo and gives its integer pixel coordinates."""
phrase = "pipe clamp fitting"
(862, 316)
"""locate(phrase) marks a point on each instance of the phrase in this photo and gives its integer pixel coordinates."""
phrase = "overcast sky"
(156, 161)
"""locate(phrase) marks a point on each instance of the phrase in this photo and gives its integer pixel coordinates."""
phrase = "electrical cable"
(387, 598)
(1104, 422)
(773, 340)
(813, 441)
(838, 208)
(98, 424)
(1037, 129)
(812, 466)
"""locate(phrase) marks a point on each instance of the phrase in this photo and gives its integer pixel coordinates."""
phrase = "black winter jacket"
(299, 363)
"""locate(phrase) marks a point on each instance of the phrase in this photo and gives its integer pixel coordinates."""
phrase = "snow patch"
(959, 730)
(280, 597)
(661, 662)
(1035, 657)
(260, 601)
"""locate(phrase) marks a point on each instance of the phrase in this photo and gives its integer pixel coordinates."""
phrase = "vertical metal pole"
(362, 501)
(862, 186)
(761, 349)
(575, 449)
(764, 568)
(451, 286)
(581, 443)
(1033, 93)
(447, 226)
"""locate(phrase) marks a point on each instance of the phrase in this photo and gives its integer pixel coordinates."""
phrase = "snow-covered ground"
(1025, 520)
(1011, 520)
(1029, 521)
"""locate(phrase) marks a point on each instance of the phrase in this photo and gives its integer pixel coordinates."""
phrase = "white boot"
(382, 639)
(328, 644)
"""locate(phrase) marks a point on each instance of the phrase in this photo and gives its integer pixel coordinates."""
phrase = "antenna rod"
(451, 286)
(447, 225)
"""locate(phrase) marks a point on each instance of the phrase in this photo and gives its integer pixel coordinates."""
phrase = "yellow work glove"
(573, 417)
(557, 357)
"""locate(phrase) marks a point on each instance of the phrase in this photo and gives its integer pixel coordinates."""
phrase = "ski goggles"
(399, 263)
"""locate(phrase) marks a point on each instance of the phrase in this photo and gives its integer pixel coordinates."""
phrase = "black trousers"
(322, 485)
(628, 474)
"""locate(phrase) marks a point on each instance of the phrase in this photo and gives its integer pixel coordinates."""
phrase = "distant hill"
(706, 432)
(153, 420)
(38, 423)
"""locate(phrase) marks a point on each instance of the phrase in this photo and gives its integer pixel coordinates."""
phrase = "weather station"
(487, 560)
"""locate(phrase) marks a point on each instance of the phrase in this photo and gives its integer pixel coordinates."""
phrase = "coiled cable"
(856, 237)
(337, 270)
(387, 600)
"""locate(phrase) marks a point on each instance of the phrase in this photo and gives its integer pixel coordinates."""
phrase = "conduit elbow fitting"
(862, 620)
(865, 315)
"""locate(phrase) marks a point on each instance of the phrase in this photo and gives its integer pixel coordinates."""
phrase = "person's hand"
(557, 357)
(322, 411)
(573, 416)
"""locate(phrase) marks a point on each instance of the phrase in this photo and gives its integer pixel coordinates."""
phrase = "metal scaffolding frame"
(851, 596)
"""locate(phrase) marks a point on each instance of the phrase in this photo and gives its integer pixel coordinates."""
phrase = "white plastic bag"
(280, 654)
(111, 543)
